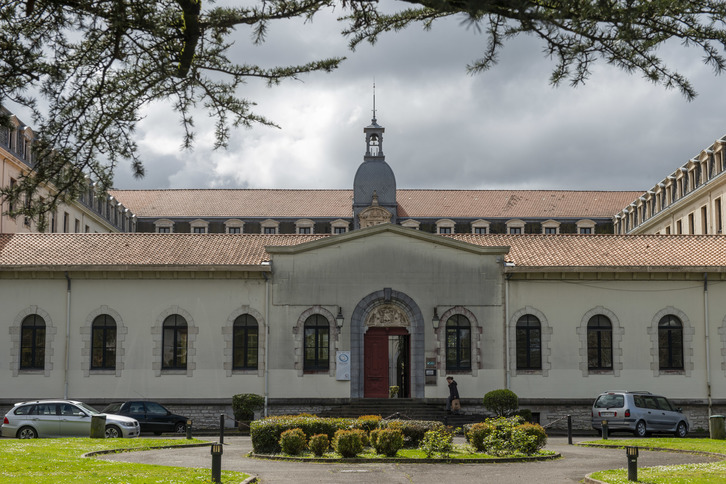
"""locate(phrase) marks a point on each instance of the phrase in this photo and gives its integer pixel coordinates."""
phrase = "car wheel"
(640, 430)
(113, 432)
(27, 433)
(180, 427)
(681, 430)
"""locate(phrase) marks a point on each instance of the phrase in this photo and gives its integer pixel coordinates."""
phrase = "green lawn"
(680, 474)
(55, 461)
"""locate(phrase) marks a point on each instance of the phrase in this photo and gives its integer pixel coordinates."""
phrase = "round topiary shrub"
(477, 435)
(245, 404)
(348, 443)
(389, 442)
(537, 437)
(293, 441)
(319, 444)
(502, 403)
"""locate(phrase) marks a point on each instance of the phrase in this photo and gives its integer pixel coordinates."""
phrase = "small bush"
(538, 434)
(437, 442)
(373, 436)
(293, 441)
(413, 430)
(266, 432)
(347, 443)
(389, 442)
(502, 403)
(319, 444)
(245, 404)
(364, 439)
(368, 422)
(477, 434)
(525, 413)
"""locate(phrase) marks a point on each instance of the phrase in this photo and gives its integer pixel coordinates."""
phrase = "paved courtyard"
(575, 463)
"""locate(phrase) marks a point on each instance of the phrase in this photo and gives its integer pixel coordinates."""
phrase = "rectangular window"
(13, 182)
(444, 230)
(480, 230)
(338, 230)
(691, 224)
(164, 230)
(719, 215)
(303, 230)
(269, 230)
(199, 230)
(52, 222)
(234, 230)
(585, 230)
(679, 227)
(668, 230)
(550, 230)
(515, 230)
(77, 226)
(66, 221)
(704, 220)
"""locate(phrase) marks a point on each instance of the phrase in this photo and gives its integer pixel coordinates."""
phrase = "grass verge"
(705, 473)
(56, 461)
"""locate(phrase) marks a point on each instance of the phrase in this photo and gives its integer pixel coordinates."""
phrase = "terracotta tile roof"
(338, 203)
(655, 252)
(539, 252)
(136, 250)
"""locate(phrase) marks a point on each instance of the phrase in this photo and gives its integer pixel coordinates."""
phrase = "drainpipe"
(708, 351)
(267, 340)
(507, 375)
(68, 336)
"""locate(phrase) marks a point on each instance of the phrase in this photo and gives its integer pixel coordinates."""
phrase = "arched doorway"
(387, 346)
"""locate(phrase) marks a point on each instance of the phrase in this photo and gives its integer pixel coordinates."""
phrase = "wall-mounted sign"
(342, 365)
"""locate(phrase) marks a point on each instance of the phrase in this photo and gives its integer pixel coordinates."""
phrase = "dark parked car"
(152, 416)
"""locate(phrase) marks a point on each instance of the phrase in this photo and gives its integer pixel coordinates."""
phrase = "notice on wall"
(342, 365)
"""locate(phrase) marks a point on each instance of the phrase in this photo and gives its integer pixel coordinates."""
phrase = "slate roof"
(138, 251)
(253, 203)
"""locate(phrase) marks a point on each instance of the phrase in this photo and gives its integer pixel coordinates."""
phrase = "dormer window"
(585, 226)
(551, 227)
(304, 226)
(270, 226)
(199, 226)
(445, 226)
(163, 226)
(480, 227)
(411, 224)
(234, 226)
(339, 226)
(515, 226)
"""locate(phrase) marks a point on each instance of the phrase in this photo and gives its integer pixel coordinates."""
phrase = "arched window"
(103, 343)
(670, 343)
(529, 343)
(458, 343)
(317, 343)
(174, 343)
(599, 343)
(32, 343)
(244, 343)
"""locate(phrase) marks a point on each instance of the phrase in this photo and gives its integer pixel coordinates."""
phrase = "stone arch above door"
(392, 306)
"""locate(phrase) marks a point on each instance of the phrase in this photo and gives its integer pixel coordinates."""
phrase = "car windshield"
(112, 408)
(610, 401)
(88, 409)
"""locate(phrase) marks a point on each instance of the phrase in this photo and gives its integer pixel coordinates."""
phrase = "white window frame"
(515, 223)
(338, 224)
(164, 223)
(550, 224)
(199, 223)
(234, 223)
(584, 224)
(304, 223)
(445, 223)
(269, 223)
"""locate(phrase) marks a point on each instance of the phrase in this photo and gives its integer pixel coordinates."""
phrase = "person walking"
(453, 393)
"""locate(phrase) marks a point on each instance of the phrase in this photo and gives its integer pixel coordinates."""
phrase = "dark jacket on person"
(453, 391)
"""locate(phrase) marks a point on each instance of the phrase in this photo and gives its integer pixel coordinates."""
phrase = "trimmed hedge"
(348, 443)
(266, 433)
(413, 430)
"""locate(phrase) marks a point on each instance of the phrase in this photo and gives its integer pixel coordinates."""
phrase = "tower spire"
(374, 102)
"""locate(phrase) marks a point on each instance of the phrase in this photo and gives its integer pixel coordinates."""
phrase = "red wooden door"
(375, 363)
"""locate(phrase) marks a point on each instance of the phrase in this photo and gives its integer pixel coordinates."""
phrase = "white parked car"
(62, 418)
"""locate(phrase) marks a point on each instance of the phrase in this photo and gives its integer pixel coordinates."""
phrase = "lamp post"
(217, 462)
(339, 319)
(435, 320)
(632, 453)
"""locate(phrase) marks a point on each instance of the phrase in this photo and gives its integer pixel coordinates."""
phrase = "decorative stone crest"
(374, 215)
(387, 316)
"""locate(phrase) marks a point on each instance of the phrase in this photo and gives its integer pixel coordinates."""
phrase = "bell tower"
(374, 186)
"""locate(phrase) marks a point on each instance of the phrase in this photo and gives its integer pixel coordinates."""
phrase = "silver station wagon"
(61, 418)
(639, 412)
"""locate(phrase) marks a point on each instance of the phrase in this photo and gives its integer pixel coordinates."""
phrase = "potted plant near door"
(393, 391)
(244, 406)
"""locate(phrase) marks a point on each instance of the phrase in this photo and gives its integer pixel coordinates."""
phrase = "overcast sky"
(505, 128)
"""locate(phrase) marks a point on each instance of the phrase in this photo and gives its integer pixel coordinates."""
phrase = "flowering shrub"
(438, 441)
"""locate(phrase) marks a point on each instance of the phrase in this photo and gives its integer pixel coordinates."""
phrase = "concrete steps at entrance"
(404, 408)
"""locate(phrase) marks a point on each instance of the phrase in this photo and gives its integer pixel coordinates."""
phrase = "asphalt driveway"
(575, 463)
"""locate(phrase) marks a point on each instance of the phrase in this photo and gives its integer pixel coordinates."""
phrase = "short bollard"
(221, 428)
(605, 429)
(632, 453)
(217, 462)
(569, 429)
(189, 429)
